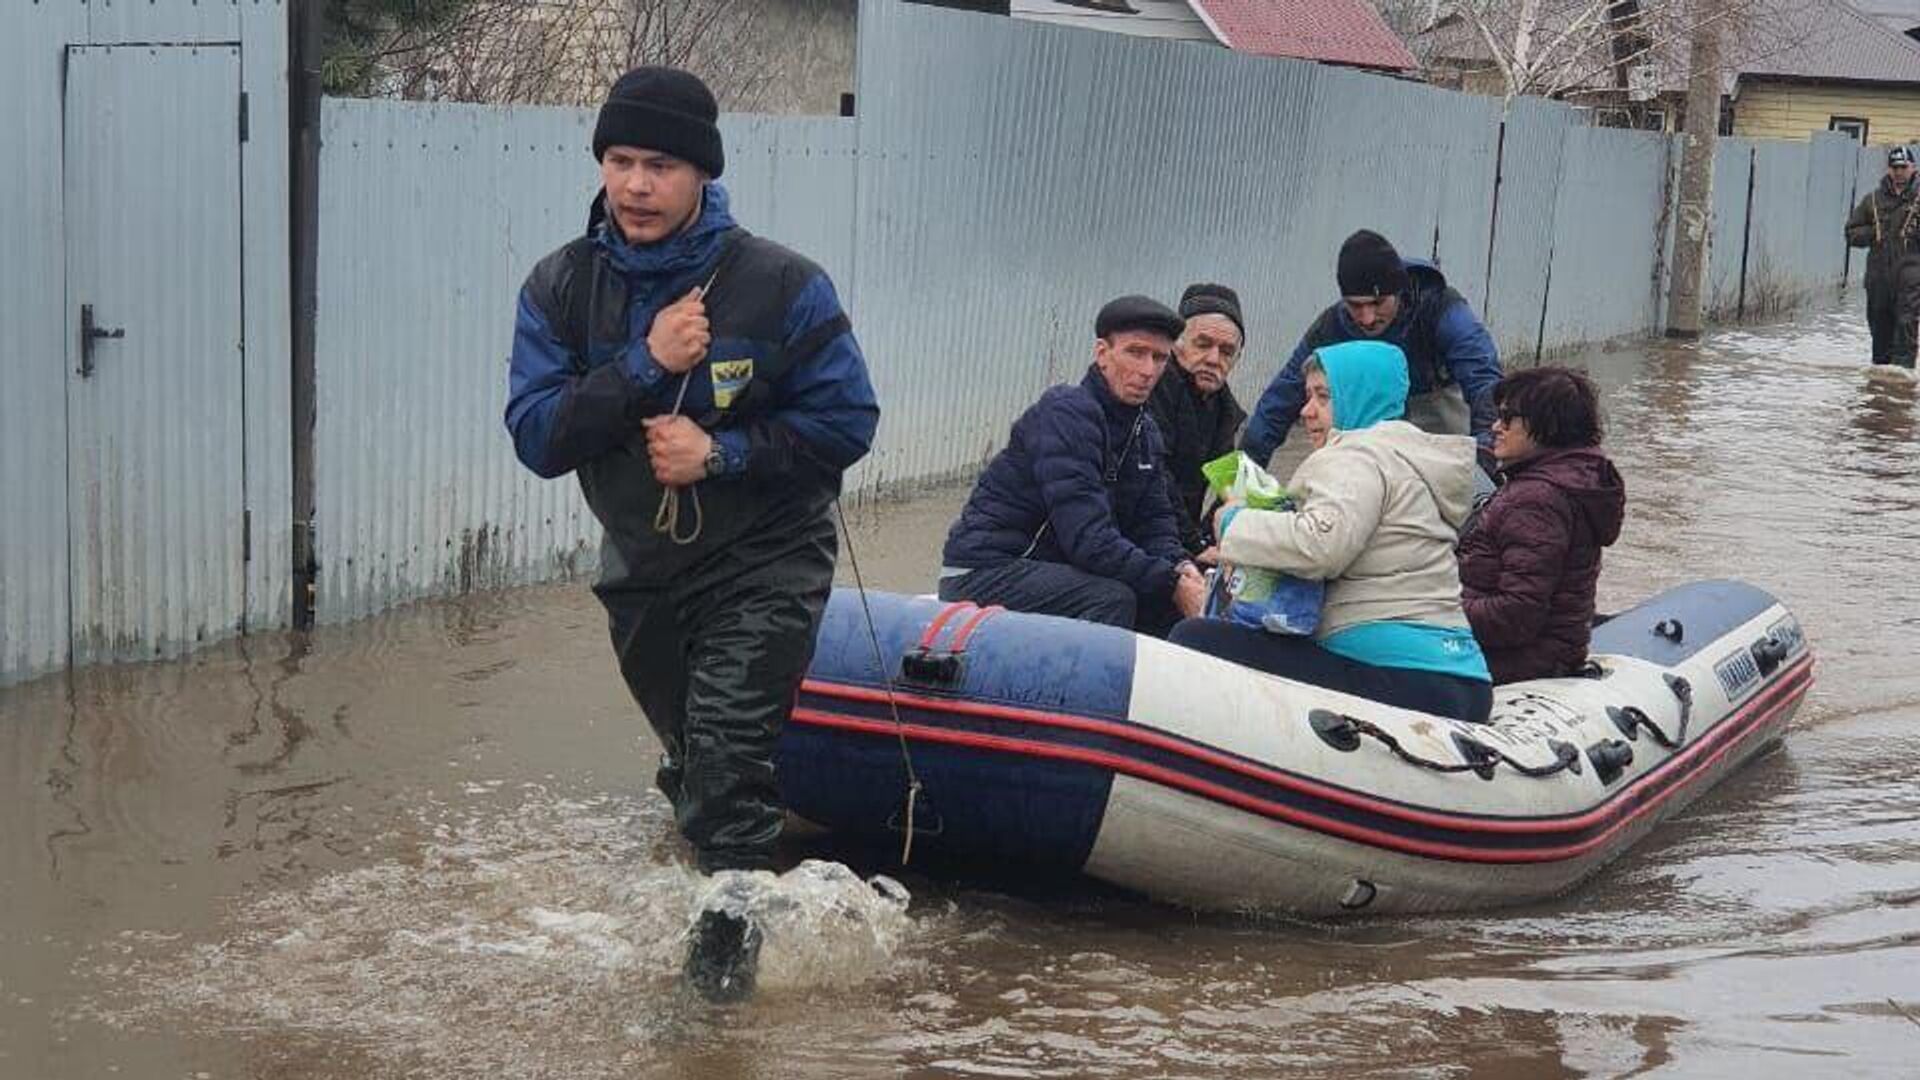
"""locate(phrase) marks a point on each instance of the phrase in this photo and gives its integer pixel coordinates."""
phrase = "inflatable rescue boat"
(1193, 780)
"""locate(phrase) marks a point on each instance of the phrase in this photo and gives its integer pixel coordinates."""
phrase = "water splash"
(498, 930)
(823, 925)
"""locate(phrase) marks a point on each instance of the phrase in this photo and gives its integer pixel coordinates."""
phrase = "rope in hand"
(667, 518)
(880, 665)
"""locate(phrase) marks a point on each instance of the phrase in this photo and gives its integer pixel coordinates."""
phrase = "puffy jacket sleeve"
(1860, 223)
(1467, 349)
(1342, 496)
(561, 416)
(825, 413)
(1529, 541)
(1063, 444)
(1278, 407)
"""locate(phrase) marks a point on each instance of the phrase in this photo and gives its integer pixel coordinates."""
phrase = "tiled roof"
(1334, 31)
(1837, 42)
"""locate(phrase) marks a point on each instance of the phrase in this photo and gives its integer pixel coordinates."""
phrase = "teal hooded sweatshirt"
(1368, 383)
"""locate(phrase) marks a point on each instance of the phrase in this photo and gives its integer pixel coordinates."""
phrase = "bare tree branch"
(1563, 48)
(569, 51)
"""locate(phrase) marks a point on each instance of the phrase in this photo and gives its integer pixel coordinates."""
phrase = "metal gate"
(157, 521)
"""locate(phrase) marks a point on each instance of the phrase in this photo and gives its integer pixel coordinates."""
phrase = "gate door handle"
(89, 333)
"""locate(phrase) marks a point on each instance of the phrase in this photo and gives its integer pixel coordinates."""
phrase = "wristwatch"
(716, 461)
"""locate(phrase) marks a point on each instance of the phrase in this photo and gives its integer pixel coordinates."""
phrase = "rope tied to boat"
(1343, 732)
(886, 678)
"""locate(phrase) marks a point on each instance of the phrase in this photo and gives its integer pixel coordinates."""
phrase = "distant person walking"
(1885, 224)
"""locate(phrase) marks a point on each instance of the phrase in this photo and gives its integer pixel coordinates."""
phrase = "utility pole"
(1684, 314)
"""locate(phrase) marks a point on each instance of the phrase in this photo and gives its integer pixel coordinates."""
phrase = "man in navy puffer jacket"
(1075, 516)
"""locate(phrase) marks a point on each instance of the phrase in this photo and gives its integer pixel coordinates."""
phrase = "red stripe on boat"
(1704, 752)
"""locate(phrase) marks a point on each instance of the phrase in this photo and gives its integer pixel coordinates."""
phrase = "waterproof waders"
(714, 662)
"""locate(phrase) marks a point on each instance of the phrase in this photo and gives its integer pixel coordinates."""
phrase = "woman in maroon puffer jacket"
(1529, 566)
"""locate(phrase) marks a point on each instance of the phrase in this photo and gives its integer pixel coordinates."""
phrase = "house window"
(1854, 127)
(1653, 120)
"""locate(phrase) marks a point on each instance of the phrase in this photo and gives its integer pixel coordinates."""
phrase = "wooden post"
(1685, 305)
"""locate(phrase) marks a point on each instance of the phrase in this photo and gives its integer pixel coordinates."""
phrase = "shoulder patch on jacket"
(730, 379)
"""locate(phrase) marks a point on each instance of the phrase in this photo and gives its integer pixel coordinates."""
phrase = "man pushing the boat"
(1075, 517)
(706, 387)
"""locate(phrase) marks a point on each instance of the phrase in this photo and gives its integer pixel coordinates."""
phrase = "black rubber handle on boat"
(1334, 729)
(928, 668)
(1682, 692)
(1770, 652)
(1631, 720)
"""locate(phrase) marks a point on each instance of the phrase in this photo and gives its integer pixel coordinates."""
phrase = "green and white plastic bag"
(1249, 595)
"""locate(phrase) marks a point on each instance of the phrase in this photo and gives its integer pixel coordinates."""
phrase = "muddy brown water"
(424, 845)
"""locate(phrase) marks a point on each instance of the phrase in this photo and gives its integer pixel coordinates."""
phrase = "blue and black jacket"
(1444, 340)
(1082, 481)
(783, 389)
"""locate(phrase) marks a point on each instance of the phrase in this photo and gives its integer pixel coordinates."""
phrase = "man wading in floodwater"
(1884, 224)
(706, 387)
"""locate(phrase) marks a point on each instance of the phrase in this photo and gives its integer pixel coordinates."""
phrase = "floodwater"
(425, 846)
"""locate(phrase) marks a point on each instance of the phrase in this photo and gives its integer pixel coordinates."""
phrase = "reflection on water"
(424, 845)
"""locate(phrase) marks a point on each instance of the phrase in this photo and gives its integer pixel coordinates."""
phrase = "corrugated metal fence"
(145, 504)
(1002, 179)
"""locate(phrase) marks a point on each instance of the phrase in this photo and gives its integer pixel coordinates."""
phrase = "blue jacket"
(1082, 481)
(1444, 340)
(783, 390)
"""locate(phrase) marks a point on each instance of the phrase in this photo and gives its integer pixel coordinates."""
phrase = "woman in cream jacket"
(1379, 504)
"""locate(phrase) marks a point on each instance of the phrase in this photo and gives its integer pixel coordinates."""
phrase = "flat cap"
(1137, 313)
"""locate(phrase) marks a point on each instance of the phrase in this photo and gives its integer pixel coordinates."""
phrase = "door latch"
(89, 333)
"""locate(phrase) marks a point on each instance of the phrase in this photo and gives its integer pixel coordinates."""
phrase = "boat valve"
(1610, 758)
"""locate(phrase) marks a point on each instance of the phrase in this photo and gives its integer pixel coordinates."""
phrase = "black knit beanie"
(666, 110)
(1370, 267)
(1206, 298)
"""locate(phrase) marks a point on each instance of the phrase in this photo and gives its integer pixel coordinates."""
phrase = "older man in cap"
(1074, 517)
(1884, 223)
(1195, 408)
(706, 388)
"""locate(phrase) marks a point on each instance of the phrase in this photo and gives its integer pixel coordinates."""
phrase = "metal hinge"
(243, 117)
(246, 536)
